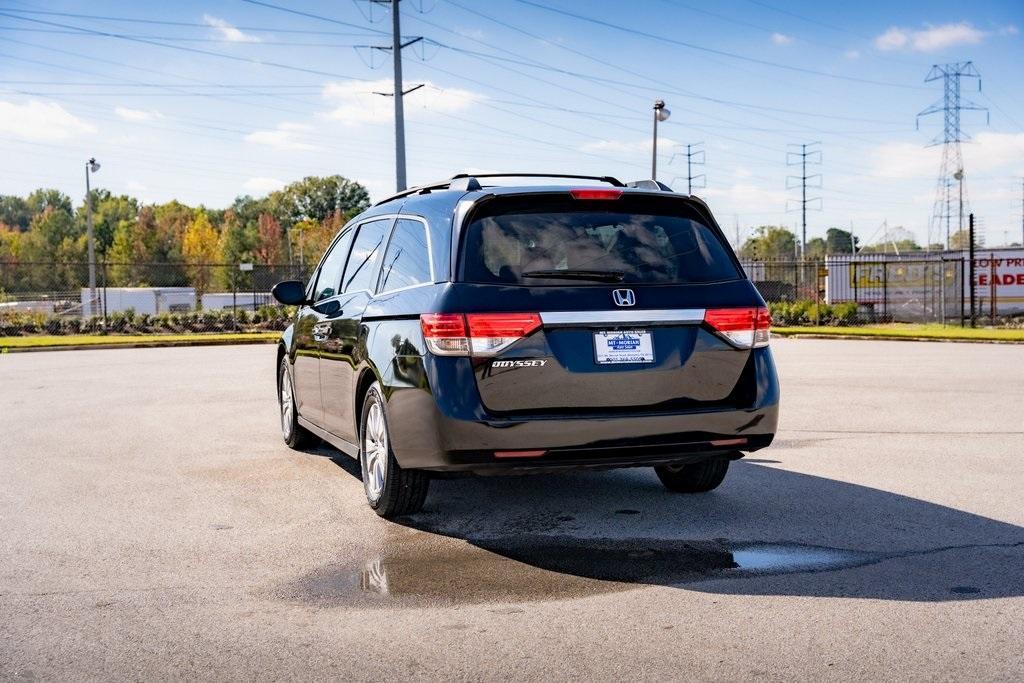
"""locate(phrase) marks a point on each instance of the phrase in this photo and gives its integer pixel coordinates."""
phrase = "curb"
(880, 337)
(155, 344)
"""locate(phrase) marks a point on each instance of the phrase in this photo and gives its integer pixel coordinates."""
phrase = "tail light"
(477, 334)
(744, 327)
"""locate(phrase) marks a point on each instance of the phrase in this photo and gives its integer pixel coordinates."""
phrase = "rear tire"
(294, 434)
(390, 490)
(699, 477)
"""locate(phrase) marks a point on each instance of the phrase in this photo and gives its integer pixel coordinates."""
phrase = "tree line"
(169, 244)
(772, 242)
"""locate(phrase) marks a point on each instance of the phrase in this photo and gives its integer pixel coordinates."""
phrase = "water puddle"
(430, 569)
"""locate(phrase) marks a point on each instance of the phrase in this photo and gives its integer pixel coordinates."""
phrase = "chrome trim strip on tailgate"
(637, 316)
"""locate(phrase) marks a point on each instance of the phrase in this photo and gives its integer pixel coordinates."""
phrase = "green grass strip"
(907, 331)
(57, 341)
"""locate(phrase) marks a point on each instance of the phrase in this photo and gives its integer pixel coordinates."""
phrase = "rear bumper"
(448, 430)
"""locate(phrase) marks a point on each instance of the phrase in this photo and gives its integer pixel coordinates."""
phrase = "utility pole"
(952, 167)
(694, 157)
(1022, 212)
(793, 158)
(399, 94)
(660, 114)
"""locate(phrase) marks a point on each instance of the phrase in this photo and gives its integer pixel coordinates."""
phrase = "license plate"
(623, 346)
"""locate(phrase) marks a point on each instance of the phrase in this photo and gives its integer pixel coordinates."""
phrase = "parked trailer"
(926, 285)
(149, 300)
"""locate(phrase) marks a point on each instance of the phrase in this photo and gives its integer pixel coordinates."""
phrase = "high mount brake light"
(744, 327)
(477, 334)
(594, 193)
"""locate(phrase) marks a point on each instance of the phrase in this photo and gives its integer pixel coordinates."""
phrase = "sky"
(206, 101)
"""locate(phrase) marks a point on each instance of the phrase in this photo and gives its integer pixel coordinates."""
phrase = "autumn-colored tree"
(132, 250)
(172, 220)
(15, 212)
(108, 211)
(269, 241)
(237, 245)
(10, 250)
(200, 247)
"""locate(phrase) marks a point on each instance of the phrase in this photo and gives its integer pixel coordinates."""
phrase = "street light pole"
(660, 114)
(91, 166)
(959, 175)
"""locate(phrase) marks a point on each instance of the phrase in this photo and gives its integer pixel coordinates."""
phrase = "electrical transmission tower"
(951, 171)
(808, 154)
(694, 157)
(399, 94)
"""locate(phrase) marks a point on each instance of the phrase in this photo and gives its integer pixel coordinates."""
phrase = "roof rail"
(469, 182)
(603, 178)
(649, 185)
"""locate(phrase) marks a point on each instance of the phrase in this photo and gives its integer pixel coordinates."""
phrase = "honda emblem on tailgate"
(624, 297)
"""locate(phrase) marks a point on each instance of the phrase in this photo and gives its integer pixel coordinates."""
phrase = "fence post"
(885, 290)
(234, 301)
(963, 294)
(992, 290)
(817, 293)
(970, 237)
(103, 272)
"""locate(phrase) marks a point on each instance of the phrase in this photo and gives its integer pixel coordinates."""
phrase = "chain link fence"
(937, 287)
(153, 298)
(145, 298)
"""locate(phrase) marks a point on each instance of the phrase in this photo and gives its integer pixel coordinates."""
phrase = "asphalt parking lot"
(155, 526)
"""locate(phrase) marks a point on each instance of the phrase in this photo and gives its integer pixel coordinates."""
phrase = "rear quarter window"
(646, 242)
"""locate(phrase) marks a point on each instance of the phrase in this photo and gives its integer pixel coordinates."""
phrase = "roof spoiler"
(649, 185)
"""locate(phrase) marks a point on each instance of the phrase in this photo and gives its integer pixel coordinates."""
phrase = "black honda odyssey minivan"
(461, 326)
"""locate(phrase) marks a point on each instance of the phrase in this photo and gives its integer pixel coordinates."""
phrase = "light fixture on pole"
(660, 114)
(91, 166)
(959, 176)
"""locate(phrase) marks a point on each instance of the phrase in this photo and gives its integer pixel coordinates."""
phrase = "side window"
(328, 280)
(407, 261)
(362, 264)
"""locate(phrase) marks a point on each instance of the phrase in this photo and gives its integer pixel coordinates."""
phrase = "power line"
(211, 53)
(191, 24)
(711, 50)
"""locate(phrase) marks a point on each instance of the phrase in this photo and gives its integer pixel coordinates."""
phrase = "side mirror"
(290, 292)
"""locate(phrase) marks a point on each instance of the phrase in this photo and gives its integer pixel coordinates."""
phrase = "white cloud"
(41, 121)
(286, 136)
(665, 146)
(893, 39)
(355, 102)
(228, 32)
(745, 197)
(987, 152)
(781, 39)
(852, 54)
(1008, 30)
(929, 39)
(136, 186)
(137, 114)
(261, 185)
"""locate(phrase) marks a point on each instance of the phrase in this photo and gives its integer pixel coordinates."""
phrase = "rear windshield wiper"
(597, 275)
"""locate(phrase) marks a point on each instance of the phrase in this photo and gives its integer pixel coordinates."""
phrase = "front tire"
(390, 490)
(699, 477)
(294, 434)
